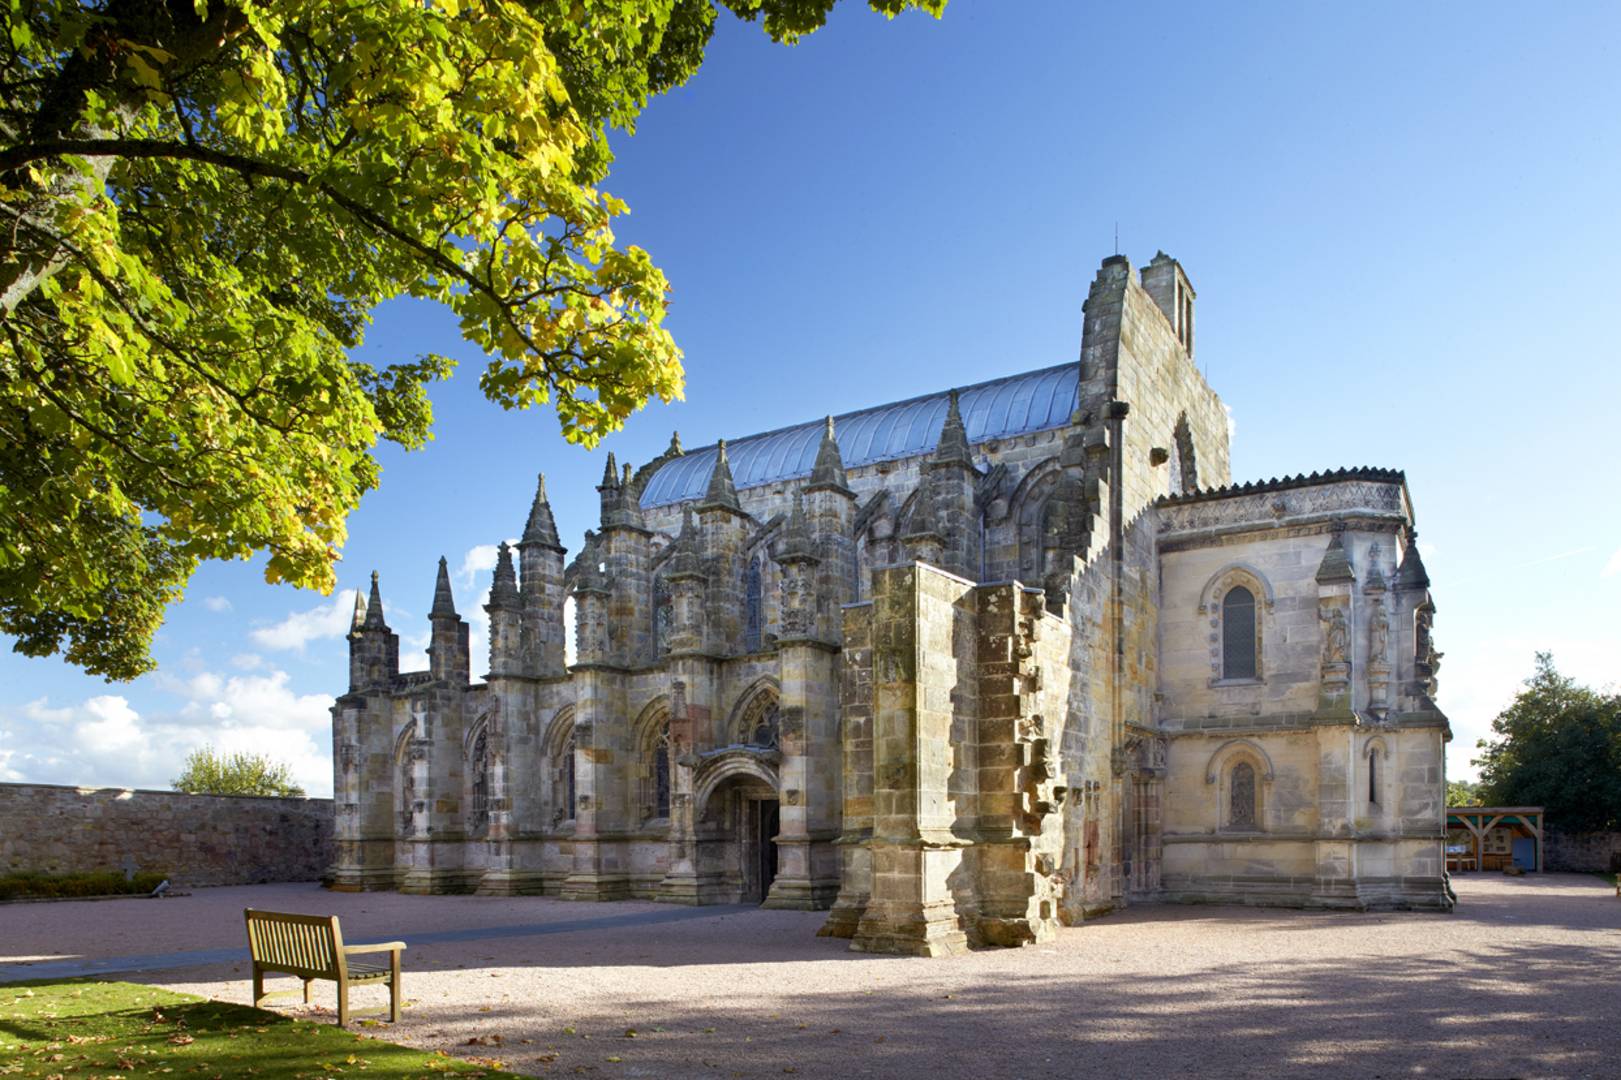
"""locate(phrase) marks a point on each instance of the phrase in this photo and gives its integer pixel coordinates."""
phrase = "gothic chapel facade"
(958, 670)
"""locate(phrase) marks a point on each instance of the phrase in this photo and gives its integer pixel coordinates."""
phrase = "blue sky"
(1400, 219)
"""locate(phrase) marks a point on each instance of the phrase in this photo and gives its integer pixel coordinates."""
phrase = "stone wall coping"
(94, 789)
(1296, 837)
(1285, 483)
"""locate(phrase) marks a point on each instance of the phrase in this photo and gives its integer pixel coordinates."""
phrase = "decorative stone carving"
(1336, 637)
(1378, 632)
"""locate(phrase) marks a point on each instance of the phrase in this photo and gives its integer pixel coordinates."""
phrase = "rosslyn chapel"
(957, 670)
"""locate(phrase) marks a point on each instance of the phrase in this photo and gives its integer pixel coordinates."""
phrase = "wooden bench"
(311, 947)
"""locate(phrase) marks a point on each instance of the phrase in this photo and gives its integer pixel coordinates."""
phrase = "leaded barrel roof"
(998, 409)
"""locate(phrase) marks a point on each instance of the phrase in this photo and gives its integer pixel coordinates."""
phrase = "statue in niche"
(1423, 618)
(1337, 641)
(1378, 634)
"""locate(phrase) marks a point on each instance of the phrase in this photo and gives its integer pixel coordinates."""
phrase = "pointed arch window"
(478, 818)
(753, 626)
(760, 723)
(1238, 634)
(560, 771)
(655, 785)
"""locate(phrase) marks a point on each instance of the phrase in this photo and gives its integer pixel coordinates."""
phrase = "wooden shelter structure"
(1493, 830)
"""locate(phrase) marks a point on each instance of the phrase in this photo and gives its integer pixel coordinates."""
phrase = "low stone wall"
(192, 839)
(1598, 852)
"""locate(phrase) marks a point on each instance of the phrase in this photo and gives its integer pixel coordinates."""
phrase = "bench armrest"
(381, 946)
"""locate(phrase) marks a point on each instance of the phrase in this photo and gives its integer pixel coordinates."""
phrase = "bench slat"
(311, 947)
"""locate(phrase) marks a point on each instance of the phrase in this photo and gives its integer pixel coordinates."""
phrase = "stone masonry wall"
(192, 839)
(1582, 852)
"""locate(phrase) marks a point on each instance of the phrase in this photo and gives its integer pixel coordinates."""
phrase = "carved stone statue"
(1337, 640)
(1378, 634)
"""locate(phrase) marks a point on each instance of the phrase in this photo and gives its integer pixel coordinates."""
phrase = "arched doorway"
(738, 819)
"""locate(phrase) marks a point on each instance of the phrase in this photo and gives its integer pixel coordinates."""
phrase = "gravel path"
(1523, 980)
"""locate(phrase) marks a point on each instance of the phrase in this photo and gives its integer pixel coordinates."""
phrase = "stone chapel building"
(957, 669)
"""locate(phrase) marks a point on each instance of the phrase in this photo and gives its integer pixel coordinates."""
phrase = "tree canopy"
(1462, 793)
(1557, 746)
(203, 201)
(208, 772)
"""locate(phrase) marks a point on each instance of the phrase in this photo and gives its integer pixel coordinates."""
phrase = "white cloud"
(480, 559)
(247, 661)
(1613, 566)
(217, 603)
(105, 740)
(40, 711)
(1480, 680)
(299, 628)
(112, 727)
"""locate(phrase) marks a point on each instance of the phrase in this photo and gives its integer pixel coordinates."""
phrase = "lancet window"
(754, 619)
(1238, 634)
(478, 818)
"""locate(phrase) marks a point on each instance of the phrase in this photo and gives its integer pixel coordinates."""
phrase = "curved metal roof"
(1013, 405)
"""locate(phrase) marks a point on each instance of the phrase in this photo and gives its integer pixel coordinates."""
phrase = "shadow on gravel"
(1503, 1012)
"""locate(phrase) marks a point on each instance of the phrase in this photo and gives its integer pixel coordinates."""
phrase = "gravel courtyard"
(1522, 980)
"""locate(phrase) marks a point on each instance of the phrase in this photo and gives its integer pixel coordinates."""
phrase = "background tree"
(201, 202)
(1557, 746)
(1462, 793)
(208, 772)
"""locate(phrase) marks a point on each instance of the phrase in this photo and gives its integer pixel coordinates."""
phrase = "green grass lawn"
(1608, 877)
(81, 1029)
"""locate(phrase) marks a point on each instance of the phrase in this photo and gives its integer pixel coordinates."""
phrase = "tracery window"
(759, 725)
(560, 766)
(1241, 797)
(1238, 634)
(753, 627)
(655, 779)
(478, 818)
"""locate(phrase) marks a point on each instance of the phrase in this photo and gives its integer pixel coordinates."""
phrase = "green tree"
(1557, 746)
(1462, 793)
(201, 202)
(209, 772)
